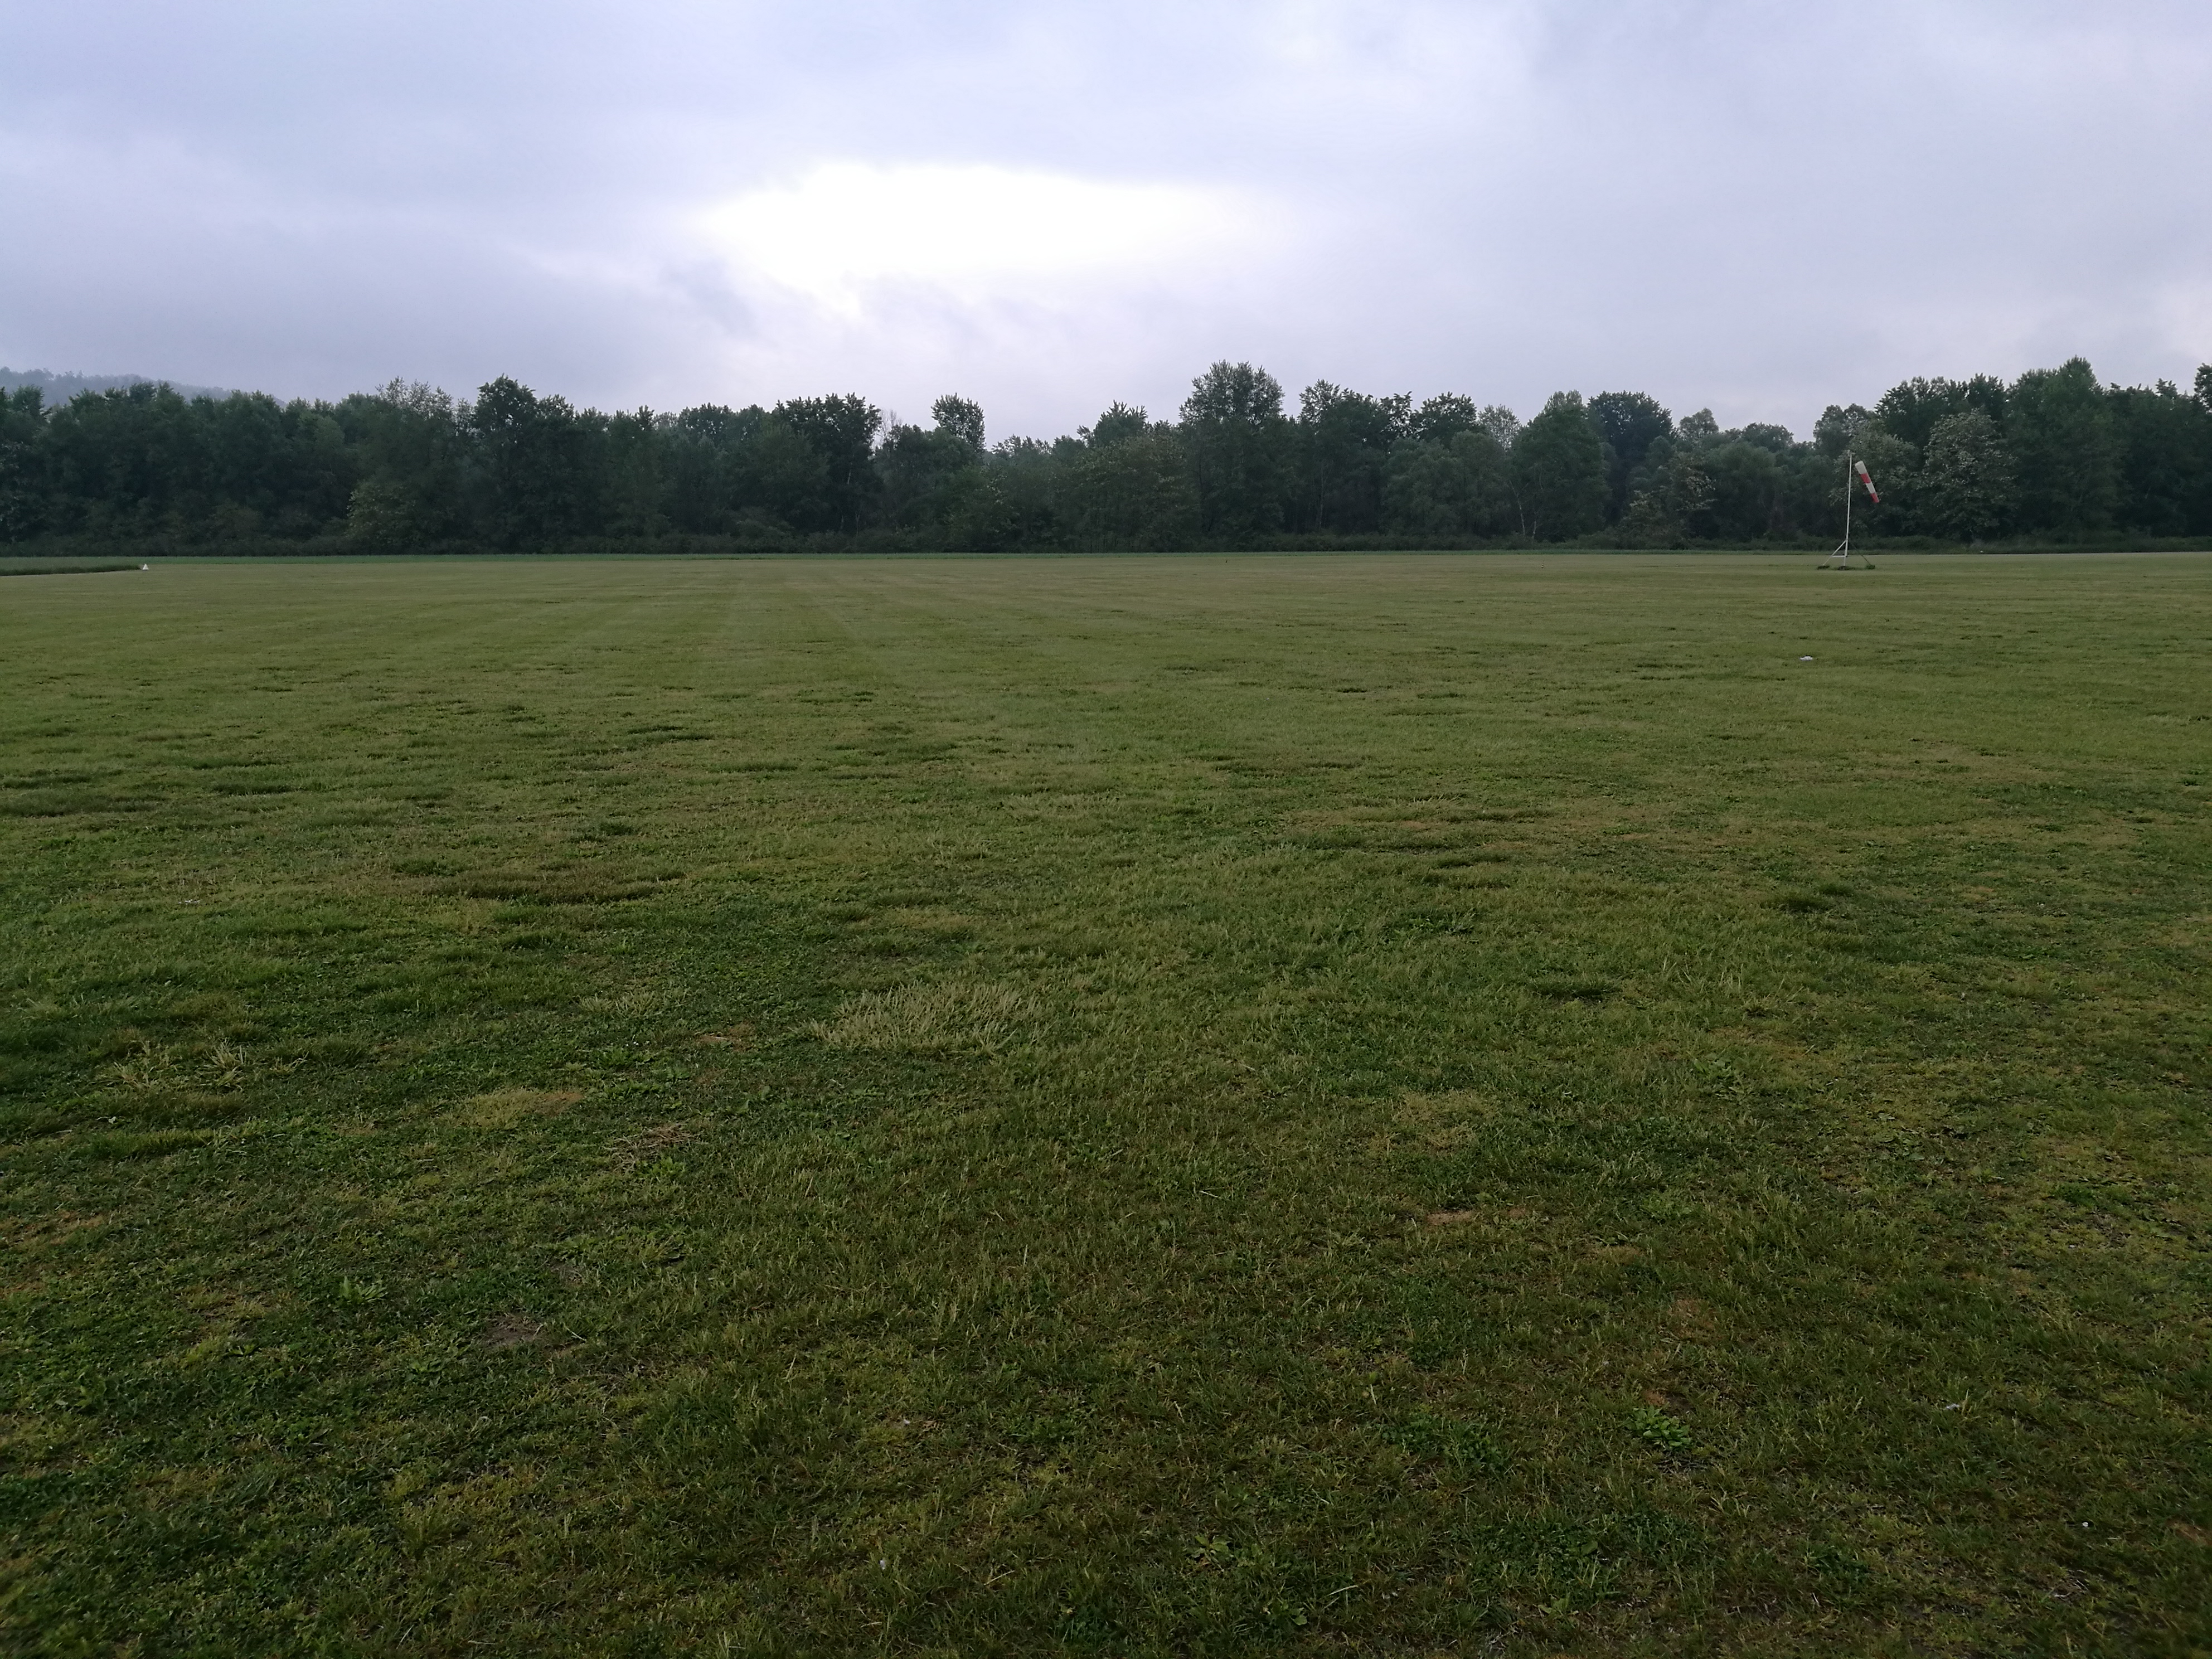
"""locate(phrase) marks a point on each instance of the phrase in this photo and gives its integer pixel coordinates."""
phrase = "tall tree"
(1442, 417)
(412, 439)
(1674, 501)
(1118, 423)
(22, 463)
(1966, 481)
(1910, 409)
(1559, 471)
(1448, 488)
(1839, 426)
(1746, 491)
(1345, 442)
(977, 516)
(2165, 441)
(129, 461)
(637, 474)
(1630, 422)
(1233, 425)
(2060, 429)
(1501, 423)
(538, 484)
(1026, 473)
(1136, 492)
(961, 420)
(843, 432)
(779, 476)
(694, 447)
(1236, 393)
(918, 468)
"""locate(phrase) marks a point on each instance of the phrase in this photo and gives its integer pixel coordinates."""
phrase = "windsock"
(1867, 479)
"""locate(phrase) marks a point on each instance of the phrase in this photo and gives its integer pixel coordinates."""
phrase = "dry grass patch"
(949, 1015)
(649, 1146)
(509, 1330)
(504, 1107)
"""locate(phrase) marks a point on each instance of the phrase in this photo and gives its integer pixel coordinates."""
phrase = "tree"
(2200, 494)
(636, 474)
(1674, 505)
(1236, 394)
(131, 461)
(697, 449)
(1746, 505)
(1117, 424)
(1345, 442)
(1774, 440)
(2060, 430)
(534, 457)
(1136, 492)
(1233, 427)
(918, 470)
(2165, 441)
(1559, 471)
(841, 432)
(1839, 427)
(380, 515)
(959, 419)
(414, 437)
(1910, 409)
(779, 478)
(22, 463)
(1448, 488)
(1026, 474)
(975, 514)
(1442, 417)
(1965, 476)
(1630, 422)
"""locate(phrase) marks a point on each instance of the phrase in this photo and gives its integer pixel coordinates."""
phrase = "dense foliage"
(2053, 456)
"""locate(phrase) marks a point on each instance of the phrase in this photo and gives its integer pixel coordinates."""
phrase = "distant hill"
(60, 388)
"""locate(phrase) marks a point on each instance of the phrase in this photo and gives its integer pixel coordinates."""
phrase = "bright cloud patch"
(973, 231)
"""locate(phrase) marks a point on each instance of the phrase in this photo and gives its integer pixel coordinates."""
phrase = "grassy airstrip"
(1452, 1104)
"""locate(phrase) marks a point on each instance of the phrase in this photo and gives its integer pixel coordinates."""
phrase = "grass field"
(1453, 1104)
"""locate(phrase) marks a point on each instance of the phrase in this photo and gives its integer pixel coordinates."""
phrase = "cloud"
(1739, 202)
(847, 227)
(1029, 285)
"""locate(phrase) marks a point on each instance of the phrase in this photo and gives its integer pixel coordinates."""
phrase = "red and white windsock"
(1867, 479)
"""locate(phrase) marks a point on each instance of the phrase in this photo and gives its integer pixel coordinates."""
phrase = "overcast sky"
(1759, 205)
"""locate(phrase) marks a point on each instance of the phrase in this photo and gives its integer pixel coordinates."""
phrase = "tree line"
(2054, 455)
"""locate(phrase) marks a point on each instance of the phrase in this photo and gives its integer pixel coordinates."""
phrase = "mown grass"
(1133, 1107)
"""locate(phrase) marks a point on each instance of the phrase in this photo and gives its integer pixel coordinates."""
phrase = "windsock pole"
(1842, 556)
(1855, 474)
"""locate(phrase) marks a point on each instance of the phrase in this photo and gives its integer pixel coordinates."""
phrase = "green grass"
(1124, 1107)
